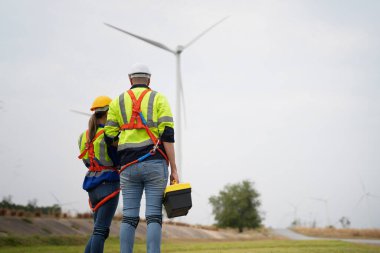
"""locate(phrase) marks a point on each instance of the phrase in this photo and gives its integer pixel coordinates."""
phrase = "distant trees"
(345, 222)
(31, 207)
(237, 206)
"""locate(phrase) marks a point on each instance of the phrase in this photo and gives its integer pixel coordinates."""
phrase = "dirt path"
(287, 233)
(295, 236)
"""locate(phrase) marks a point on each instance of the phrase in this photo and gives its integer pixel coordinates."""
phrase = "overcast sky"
(283, 93)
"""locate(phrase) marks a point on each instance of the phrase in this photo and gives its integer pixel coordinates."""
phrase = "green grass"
(275, 246)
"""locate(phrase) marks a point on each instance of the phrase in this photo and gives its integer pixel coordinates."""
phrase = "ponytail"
(92, 126)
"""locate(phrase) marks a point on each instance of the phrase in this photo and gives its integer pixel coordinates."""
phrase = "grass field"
(275, 246)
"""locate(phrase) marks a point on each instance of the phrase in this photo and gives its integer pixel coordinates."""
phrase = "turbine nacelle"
(179, 49)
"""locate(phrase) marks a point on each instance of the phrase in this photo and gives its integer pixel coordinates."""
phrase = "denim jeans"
(151, 176)
(103, 216)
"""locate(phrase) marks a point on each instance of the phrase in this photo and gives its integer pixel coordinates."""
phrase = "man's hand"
(174, 177)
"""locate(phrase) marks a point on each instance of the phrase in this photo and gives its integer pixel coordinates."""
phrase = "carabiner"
(155, 147)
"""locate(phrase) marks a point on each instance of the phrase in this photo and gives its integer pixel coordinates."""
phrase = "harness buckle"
(155, 147)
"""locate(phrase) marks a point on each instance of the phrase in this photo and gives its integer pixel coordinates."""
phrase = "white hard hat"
(139, 70)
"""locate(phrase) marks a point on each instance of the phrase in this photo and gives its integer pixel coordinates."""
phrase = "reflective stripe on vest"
(150, 110)
(122, 109)
(135, 145)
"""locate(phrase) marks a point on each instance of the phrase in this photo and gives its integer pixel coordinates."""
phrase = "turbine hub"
(180, 49)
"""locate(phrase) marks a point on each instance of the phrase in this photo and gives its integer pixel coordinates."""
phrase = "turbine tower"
(179, 88)
(296, 220)
(325, 201)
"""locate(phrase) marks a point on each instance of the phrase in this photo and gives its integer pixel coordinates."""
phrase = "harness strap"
(94, 165)
(103, 201)
(136, 112)
(164, 155)
(90, 143)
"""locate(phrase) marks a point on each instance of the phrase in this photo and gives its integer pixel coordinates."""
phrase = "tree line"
(7, 205)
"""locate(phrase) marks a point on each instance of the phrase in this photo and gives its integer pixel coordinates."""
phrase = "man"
(142, 123)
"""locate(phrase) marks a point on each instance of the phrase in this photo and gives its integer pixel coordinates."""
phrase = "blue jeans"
(103, 216)
(152, 176)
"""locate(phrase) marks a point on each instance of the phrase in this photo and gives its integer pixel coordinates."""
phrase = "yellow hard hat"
(101, 104)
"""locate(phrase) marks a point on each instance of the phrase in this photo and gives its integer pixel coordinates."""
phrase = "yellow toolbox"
(177, 200)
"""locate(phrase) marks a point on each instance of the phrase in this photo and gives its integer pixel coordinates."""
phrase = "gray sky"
(283, 93)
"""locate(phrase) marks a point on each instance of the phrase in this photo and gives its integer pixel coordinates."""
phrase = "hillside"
(22, 226)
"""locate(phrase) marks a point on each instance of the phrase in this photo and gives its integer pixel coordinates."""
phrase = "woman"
(102, 179)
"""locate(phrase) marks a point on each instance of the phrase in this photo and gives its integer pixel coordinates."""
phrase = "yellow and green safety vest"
(155, 109)
(100, 149)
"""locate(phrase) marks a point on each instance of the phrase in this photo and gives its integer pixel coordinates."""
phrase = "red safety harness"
(138, 122)
(96, 167)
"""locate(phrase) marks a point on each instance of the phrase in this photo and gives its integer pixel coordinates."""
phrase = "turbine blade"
(69, 203)
(152, 42)
(360, 200)
(318, 199)
(204, 32)
(373, 196)
(79, 112)
(362, 184)
(56, 199)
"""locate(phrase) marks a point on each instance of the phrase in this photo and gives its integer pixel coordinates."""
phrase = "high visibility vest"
(155, 109)
(100, 149)
(95, 155)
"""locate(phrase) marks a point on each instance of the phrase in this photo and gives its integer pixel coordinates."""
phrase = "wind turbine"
(80, 112)
(325, 201)
(366, 195)
(179, 88)
(59, 203)
(296, 221)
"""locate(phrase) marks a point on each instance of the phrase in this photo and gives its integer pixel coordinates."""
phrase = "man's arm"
(112, 126)
(166, 132)
(169, 148)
